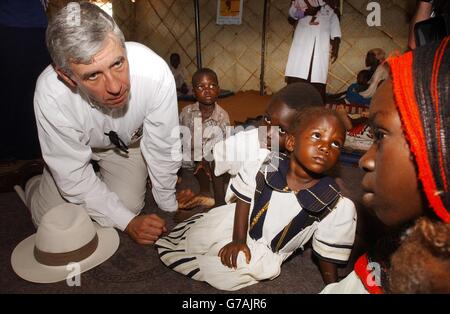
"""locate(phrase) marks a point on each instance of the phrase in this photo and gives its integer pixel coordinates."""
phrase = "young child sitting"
(205, 124)
(292, 201)
(406, 167)
(351, 95)
(252, 146)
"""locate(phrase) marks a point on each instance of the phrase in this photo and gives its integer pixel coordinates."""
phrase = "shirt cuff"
(123, 220)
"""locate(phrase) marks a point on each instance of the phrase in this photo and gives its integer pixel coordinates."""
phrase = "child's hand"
(229, 253)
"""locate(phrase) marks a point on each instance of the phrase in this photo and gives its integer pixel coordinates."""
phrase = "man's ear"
(290, 143)
(66, 78)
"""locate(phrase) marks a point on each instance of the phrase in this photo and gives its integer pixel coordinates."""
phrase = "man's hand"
(335, 42)
(146, 229)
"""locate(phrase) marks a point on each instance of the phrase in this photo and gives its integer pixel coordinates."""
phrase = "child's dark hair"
(203, 71)
(365, 75)
(310, 113)
(298, 96)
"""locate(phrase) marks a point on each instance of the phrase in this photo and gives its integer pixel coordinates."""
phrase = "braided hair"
(421, 83)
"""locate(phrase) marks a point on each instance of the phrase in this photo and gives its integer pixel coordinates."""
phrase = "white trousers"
(125, 176)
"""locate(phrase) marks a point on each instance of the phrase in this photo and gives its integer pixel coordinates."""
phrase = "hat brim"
(27, 267)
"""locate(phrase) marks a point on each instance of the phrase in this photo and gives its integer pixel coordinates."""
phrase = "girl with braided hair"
(407, 166)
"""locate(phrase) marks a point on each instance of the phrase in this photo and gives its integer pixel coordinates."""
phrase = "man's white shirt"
(70, 126)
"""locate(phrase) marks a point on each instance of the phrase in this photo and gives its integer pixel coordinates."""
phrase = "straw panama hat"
(66, 234)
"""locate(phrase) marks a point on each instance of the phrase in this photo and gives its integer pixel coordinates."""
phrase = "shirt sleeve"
(335, 234)
(161, 145)
(243, 184)
(293, 11)
(68, 159)
(335, 26)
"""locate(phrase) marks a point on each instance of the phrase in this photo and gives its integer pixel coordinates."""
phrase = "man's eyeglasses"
(115, 139)
(205, 87)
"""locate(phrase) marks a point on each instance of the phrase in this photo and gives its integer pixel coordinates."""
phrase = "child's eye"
(281, 131)
(336, 145)
(316, 135)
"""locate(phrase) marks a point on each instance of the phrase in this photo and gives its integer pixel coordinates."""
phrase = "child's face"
(390, 183)
(317, 145)
(206, 89)
(281, 115)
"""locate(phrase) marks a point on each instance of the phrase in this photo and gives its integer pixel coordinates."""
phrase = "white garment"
(380, 74)
(239, 151)
(309, 39)
(69, 126)
(192, 247)
(349, 285)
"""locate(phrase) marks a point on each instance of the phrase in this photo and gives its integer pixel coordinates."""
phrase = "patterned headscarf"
(421, 81)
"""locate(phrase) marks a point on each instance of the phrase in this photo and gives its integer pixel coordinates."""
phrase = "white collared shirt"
(312, 39)
(69, 126)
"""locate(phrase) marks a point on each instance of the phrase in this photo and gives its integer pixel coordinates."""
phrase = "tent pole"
(197, 34)
(263, 48)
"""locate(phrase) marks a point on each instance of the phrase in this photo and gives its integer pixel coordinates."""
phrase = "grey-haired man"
(109, 101)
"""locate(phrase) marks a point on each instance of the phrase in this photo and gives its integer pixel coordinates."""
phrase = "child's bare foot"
(198, 200)
(183, 197)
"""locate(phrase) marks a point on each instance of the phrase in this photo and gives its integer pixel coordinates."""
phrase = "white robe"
(312, 38)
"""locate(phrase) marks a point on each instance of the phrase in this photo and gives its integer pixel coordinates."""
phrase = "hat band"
(60, 259)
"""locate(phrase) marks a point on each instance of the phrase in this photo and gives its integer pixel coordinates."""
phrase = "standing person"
(407, 116)
(292, 201)
(207, 124)
(23, 56)
(112, 102)
(309, 55)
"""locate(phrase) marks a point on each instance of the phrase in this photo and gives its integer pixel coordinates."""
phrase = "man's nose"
(112, 84)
